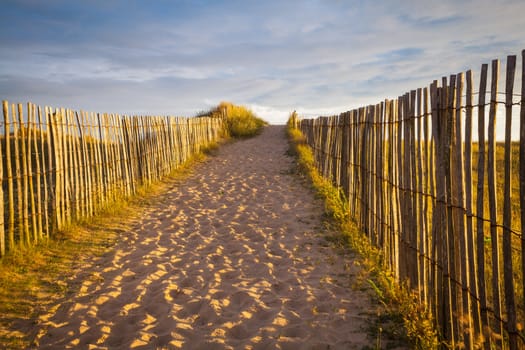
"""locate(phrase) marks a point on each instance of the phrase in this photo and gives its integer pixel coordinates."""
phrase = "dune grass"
(241, 122)
(402, 305)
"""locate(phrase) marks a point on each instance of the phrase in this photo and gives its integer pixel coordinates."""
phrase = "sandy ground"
(233, 257)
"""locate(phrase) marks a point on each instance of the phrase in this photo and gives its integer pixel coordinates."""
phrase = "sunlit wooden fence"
(60, 166)
(440, 190)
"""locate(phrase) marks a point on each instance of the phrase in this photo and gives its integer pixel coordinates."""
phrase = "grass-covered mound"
(240, 120)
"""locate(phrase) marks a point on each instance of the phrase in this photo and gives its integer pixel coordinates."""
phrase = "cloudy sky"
(178, 57)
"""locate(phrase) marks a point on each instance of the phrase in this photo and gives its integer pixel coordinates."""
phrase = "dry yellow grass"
(240, 120)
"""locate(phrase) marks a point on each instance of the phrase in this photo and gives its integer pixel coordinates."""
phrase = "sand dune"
(231, 258)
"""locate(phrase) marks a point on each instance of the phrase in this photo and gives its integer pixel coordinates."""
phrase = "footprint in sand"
(240, 332)
(240, 300)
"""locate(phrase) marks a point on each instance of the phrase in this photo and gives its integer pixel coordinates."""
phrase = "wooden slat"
(77, 191)
(121, 157)
(395, 181)
(2, 224)
(450, 276)
(24, 175)
(97, 146)
(473, 283)
(407, 206)
(370, 188)
(171, 142)
(401, 256)
(103, 180)
(55, 118)
(325, 150)
(345, 154)
(93, 147)
(114, 158)
(119, 185)
(44, 140)
(140, 168)
(37, 139)
(10, 179)
(87, 121)
(408, 227)
(32, 201)
(83, 164)
(91, 150)
(87, 149)
(109, 180)
(356, 162)
(480, 208)
(413, 212)
(438, 213)
(508, 274)
(337, 150)
(143, 149)
(372, 176)
(428, 190)
(35, 182)
(149, 155)
(491, 172)
(365, 170)
(84, 167)
(380, 178)
(124, 153)
(61, 168)
(421, 234)
(522, 175)
(67, 173)
(464, 258)
(166, 152)
(390, 108)
(387, 170)
(51, 165)
(130, 145)
(110, 148)
(452, 249)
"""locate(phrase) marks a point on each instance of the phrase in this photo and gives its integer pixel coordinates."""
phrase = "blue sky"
(180, 57)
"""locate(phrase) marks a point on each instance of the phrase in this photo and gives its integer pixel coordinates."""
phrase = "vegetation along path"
(232, 257)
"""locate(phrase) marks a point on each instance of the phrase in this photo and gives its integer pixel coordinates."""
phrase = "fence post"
(2, 228)
(31, 143)
(9, 176)
(522, 174)
(422, 229)
(473, 268)
(508, 274)
(345, 152)
(480, 208)
(491, 170)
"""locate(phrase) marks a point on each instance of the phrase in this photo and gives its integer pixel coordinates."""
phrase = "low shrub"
(240, 121)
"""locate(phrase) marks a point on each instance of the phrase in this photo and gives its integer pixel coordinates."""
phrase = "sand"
(234, 257)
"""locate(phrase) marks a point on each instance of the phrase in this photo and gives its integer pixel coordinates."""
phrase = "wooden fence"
(446, 211)
(59, 166)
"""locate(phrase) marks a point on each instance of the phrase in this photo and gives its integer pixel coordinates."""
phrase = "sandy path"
(232, 258)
